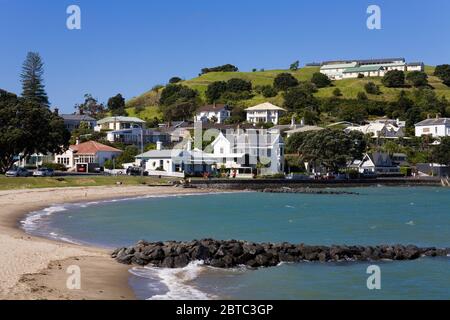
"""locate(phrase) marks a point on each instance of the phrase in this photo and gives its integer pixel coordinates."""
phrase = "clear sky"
(129, 46)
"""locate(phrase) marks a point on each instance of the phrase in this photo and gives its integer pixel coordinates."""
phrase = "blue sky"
(129, 46)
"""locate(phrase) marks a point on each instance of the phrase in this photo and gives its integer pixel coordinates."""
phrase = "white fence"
(165, 173)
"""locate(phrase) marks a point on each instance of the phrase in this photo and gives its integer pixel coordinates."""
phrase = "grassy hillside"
(348, 87)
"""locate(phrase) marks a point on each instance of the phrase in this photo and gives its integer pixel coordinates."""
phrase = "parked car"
(43, 172)
(17, 172)
(136, 171)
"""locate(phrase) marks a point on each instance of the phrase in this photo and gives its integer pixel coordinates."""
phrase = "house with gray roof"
(435, 127)
(73, 121)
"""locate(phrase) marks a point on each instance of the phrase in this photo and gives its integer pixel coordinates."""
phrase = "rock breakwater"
(232, 253)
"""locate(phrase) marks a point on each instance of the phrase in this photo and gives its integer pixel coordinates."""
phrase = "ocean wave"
(177, 281)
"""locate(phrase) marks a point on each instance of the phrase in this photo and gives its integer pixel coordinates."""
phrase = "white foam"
(176, 280)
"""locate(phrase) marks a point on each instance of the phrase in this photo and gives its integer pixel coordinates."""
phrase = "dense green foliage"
(394, 79)
(116, 105)
(223, 68)
(332, 149)
(441, 153)
(417, 78)
(284, 81)
(372, 88)
(320, 80)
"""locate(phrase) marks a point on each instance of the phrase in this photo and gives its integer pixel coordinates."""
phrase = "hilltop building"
(347, 69)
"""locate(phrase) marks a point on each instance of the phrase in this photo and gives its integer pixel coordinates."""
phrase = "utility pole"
(142, 150)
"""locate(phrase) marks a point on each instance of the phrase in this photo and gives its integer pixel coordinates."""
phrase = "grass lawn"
(75, 181)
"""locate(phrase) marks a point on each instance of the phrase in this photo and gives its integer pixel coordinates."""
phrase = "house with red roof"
(87, 153)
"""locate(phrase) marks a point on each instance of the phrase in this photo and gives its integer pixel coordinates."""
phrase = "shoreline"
(34, 267)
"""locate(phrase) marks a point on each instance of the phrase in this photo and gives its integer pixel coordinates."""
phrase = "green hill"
(145, 105)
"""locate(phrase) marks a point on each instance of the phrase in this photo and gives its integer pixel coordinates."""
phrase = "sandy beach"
(36, 268)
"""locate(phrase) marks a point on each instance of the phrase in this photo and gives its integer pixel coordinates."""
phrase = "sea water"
(376, 215)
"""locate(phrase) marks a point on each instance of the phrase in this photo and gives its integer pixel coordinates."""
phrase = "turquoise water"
(378, 215)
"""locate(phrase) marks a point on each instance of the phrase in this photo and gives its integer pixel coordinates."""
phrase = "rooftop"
(212, 108)
(434, 122)
(77, 117)
(120, 119)
(265, 106)
(92, 147)
(363, 69)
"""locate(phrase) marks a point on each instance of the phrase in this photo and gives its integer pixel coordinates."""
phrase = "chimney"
(158, 145)
(77, 142)
(302, 122)
(292, 122)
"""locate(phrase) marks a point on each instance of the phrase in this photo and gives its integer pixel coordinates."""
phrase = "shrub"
(372, 88)
(54, 166)
(284, 81)
(320, 80)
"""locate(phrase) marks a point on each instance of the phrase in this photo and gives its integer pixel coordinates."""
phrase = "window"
(221, 150)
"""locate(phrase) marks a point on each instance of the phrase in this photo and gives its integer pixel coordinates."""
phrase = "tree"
(297, 99)
(417, 78)
(372, 88)
(320, 80)
(174, 93)
(442, 70)
(180, 110)
(28, 127)
(353, 113)
(284, 81)
(223, 68)
(441, 153)
(238, 85)
(91, 107)
(175, 80)
(116, 105)
(215, 90)
(268, 91)
(394, 79)
(332, 149)
(294, 66)
(33, 88)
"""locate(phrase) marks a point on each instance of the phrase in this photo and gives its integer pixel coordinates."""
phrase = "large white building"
(338, 70)
(264, 113)
(436, 127)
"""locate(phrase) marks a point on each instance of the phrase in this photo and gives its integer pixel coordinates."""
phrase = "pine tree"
(32, 81)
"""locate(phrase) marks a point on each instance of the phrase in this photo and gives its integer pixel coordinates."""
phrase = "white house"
(213, 113)
(73, 121)
(118, 123)
(437, 127)
(388, 129)
(241, 153)
(176, 162)
(250, 150)
(264, 113)
(376, 163)
(90, 152)
(136, 136)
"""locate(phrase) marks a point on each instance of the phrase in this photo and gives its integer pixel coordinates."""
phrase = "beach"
(36, 268)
